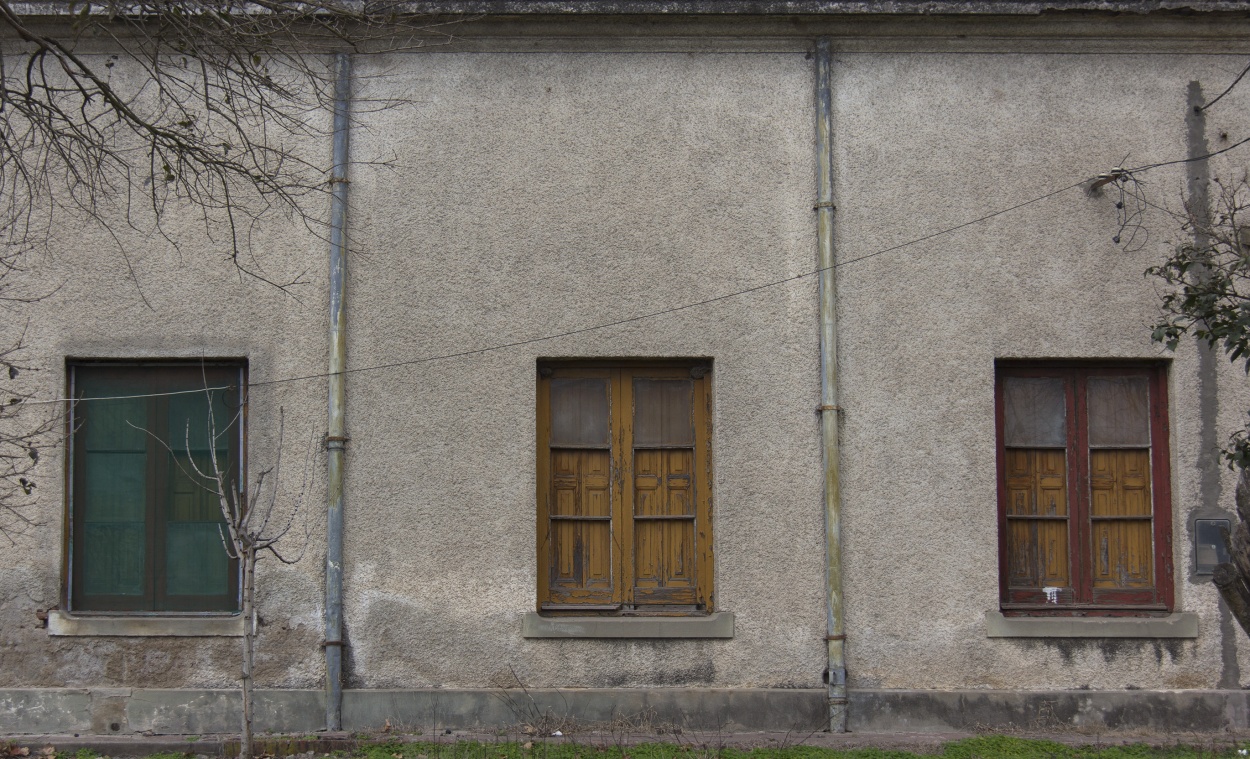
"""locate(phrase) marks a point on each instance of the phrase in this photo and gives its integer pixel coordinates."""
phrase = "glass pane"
(188, 421)
(119, 425)
(579, 411)
(1119, 411)
(1035, 411)
(663, 412)
(196, 563)
(113, 558)
(192, 494)
(116, 487)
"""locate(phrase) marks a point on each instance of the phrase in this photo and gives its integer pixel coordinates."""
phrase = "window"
(144, 530)
(1085, 520)
(624, 488)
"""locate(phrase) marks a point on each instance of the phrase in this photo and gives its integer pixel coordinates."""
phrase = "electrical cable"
(1212, 102)
(651, 314)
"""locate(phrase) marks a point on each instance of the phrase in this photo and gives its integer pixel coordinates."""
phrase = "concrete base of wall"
(1040, 711)
(105, 711)
(122, 711)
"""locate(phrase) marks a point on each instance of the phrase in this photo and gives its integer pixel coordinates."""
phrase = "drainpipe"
(336, 438)
(835, 630)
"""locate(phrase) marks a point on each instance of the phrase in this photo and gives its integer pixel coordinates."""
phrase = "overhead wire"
(650, 314)
(1216, 99)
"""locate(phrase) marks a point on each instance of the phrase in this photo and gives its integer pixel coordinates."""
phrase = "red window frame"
(1086, 599)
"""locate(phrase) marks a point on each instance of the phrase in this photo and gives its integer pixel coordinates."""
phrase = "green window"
(146, 530)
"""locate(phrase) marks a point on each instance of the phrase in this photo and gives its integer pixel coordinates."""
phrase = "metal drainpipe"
(835, 632)
(336, 438)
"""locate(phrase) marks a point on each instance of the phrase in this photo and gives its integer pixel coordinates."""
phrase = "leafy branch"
(1208, 294)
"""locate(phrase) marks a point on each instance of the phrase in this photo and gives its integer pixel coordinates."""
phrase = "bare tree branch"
(131, 116)
(193, 107)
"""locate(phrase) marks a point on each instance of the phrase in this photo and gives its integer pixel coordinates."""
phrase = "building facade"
(583, 449)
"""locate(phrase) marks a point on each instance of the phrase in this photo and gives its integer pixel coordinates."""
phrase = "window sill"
(1176, 625)
(61, 623)
(718, 625)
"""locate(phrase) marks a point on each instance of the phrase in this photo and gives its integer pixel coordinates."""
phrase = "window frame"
(155, 594)
(1088, 600)
(620, 375)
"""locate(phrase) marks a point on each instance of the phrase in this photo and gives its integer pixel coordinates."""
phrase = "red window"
(1084, 499)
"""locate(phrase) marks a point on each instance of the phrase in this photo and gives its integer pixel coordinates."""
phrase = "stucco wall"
(537, 194)
(929, 142)
(199, 307)
(506, 196)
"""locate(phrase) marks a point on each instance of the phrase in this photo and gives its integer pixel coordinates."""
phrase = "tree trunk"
(249, 643)
(1233, 578)
(1231, 587)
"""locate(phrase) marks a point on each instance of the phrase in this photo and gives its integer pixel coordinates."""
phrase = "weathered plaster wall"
(931, 141)
(510, 196)
(537, 194)
(138, 296)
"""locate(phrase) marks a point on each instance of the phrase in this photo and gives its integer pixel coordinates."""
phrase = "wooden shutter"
(664, 488)
(624, 475)
(577, 504)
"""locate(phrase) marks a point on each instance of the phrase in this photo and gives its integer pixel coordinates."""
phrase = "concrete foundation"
(68, 711)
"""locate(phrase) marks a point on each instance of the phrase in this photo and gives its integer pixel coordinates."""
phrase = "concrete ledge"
(149, 711)
(62, 623)
(942, 711)
(122, 711)
(1178, 625)
(718, 625)
(730, 709)
(45, 710)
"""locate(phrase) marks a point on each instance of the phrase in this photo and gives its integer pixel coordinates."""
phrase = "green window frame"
(145, 528)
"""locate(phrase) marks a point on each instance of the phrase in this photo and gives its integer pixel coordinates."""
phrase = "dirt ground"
(307, 747)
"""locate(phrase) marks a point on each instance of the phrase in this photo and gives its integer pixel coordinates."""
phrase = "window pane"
(119, 425)
(662, 412)
(114, 504)
(579, 412)
(188, 421)
(1119, 411)
(113, 562)
(1035, 411)
(192, 494)
(196, 563)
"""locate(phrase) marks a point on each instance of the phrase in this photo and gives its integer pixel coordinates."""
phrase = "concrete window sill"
(718, 625)
(1177, 625)
(63, 623)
